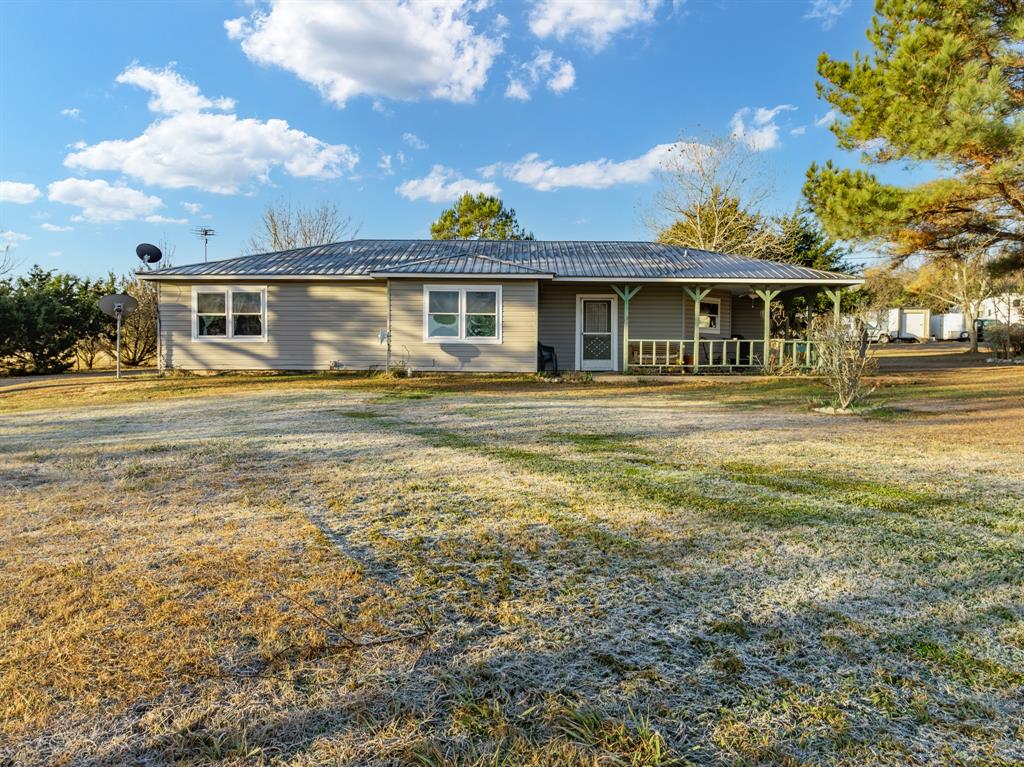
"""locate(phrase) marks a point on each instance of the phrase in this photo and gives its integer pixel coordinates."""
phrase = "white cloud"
(72, 112)
(172, 93)
(18, 193)
(101, 202)
(545, 176)
(762, 132)
(192, 207)
(558, 74)
(444, 185)
(826, 119)
(55, 228)
(399, 50)
(214, 152)
(595, 22)
(13, 238)
(828, 11)
(516, 90)
(798, 130)
(55, 254)
(385, 164)
(414, 141)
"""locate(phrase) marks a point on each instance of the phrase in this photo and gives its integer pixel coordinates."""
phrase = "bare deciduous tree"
(963, 280)
(709, 198)
(843, 360)
(7, 262)
(285, 228)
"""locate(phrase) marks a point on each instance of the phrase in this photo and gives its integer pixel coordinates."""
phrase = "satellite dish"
(148, 254)
(119, 304)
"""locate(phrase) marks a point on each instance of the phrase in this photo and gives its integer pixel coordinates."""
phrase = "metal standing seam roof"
(578, 259)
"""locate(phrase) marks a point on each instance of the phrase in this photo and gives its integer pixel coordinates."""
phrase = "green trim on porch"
(625, 294)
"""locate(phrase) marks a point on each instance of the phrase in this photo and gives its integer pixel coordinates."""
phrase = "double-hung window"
(710, 309)
(467, 314)
(237, 313)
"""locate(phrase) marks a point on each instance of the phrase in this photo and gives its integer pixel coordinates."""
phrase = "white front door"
(596, 332)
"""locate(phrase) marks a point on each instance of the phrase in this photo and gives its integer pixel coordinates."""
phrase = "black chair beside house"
(547, 360)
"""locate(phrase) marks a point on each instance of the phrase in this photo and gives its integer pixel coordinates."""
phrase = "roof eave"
(158, 277)
(710, 280)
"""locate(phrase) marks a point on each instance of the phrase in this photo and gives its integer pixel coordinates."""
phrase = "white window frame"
(461, 290)
(712, 331)
(227, 291)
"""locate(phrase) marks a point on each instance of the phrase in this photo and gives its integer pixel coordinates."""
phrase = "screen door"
(596, 334)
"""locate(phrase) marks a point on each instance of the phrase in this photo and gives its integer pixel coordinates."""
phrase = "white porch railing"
(722, 353)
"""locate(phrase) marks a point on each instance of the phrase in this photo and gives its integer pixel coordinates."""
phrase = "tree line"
(50, 321)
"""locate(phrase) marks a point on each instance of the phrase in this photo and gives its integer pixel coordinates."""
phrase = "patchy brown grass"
(494, 570)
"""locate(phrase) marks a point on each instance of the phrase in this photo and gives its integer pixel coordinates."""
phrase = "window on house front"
(462, 314)
(211, 314)
(709, 315)
(225, 313)
(246, 313)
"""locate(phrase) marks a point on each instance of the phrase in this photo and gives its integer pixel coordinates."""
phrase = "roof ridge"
(434, 259)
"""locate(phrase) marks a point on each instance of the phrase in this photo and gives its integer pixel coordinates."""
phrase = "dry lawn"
(310, 570)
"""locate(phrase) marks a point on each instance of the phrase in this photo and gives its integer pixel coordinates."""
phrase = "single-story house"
(476, 305)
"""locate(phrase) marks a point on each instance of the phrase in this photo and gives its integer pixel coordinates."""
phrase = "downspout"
(387, 357)
(159, 334)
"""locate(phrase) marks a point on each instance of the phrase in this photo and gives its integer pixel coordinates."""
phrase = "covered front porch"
(675, 326)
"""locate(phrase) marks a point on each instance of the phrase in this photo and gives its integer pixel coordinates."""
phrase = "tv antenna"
(148, 254)
(119, 305)
(204, 233)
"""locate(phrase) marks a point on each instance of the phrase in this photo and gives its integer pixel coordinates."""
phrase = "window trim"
(711, 331)
(461, 338)
(228, 291)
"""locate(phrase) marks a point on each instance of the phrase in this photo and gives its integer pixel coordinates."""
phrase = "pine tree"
(944, 85)
(480, 217)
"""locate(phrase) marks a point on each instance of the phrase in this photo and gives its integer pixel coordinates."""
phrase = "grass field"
(331, 569)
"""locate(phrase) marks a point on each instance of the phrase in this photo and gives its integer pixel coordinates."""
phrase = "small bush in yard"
(1006, 340)
(843, 361)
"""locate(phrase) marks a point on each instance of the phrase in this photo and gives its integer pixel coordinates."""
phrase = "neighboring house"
(474, 305)
(1007, 308)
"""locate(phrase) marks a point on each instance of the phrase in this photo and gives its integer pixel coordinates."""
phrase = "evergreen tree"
(44, 315)
(479, 217)
(944, 85)
(800, 240)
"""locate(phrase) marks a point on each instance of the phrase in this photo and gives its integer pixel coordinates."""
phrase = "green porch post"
(696, 295)
(767, 295)
(625, 294)
(836, 295)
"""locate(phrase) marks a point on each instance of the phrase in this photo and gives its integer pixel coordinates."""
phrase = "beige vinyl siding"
(517, 351)
(658, 311)
(310, 326)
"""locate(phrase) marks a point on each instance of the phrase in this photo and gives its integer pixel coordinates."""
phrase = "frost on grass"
(305, 573)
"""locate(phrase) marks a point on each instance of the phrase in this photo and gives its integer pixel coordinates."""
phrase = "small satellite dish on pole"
(148, 254)
(119, 306)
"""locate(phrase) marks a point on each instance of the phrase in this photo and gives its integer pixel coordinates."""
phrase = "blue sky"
(130, 122)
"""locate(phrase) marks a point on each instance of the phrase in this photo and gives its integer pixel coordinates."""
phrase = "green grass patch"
(876, 495)
(596, 442)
